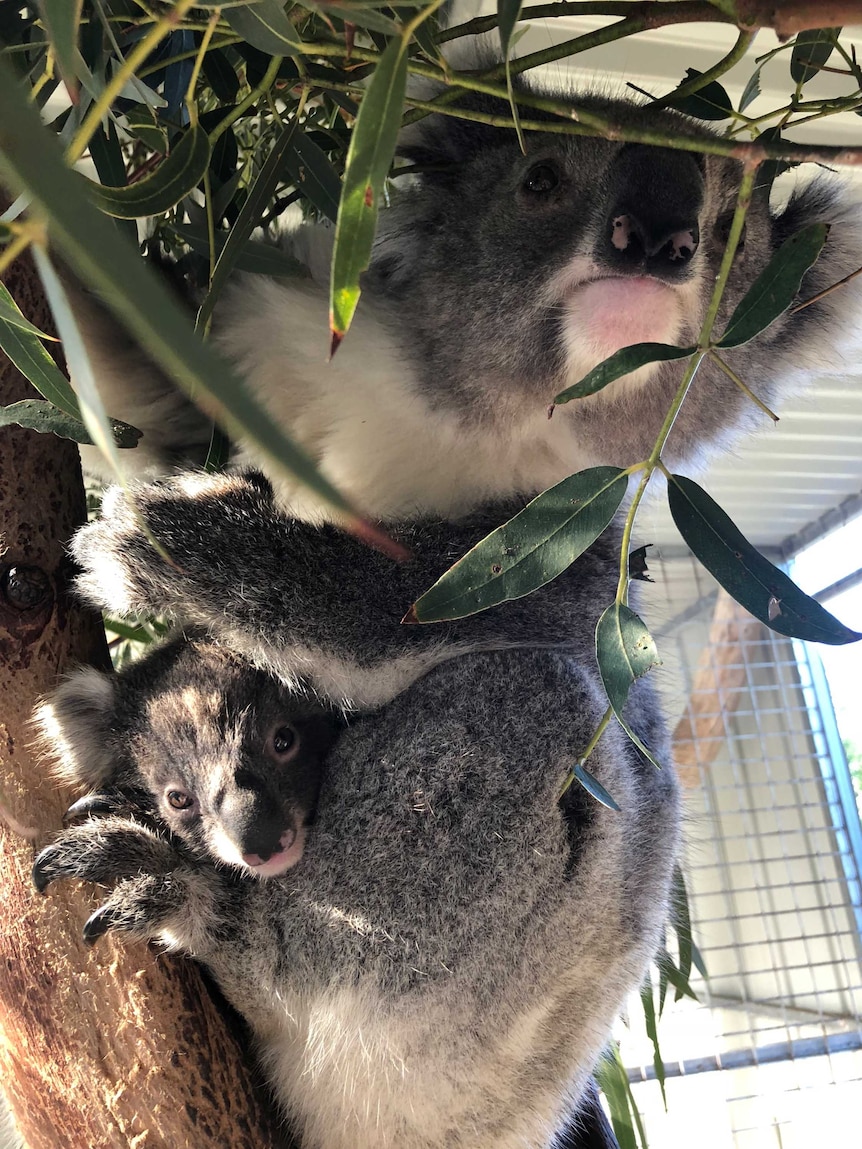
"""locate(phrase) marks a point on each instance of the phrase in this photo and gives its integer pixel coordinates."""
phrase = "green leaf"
(358, 14)
(93, 413)
(257, 257)
(259, 195)
(625, 651)
(593, 787)
(711, 102)
(681, 920)
(11, 313)
(314, 175)
(61, 19)
(30, 160)
(648, 1005)
(265, 26)
(775, 288)
(674, 976)
(751, 90)
(175, 177)
(613, 1080)
(369, 158)
(811, 51)
(33, 361)
(764, 590)
(529, 550)
(622, 362)
(220, 75)
(39, 415)
(508, 12)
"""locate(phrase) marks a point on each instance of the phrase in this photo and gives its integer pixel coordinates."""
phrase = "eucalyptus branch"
(703, 346)
(736, 53)
(255, 93)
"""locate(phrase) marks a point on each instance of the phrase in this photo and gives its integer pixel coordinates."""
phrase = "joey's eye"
(284, 740)
(179, 799)
(541, 179)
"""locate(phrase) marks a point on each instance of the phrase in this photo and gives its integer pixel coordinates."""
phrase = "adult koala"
(442, 967)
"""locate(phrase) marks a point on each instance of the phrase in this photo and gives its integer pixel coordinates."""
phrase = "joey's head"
(230, 760)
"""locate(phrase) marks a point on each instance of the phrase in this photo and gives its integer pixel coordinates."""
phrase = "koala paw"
(157, 546)
(158, 893)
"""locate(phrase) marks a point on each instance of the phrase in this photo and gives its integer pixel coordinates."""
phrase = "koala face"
(528, 270)
(231, 761)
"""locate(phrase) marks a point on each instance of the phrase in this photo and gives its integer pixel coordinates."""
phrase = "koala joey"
(443, 966)
(216, 752)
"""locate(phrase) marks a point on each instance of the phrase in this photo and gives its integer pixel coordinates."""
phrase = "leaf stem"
(736, 53)
(254, 94)
(591, 745)
(744, 388)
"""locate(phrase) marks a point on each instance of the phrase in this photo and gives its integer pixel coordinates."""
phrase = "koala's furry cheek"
(72, 727)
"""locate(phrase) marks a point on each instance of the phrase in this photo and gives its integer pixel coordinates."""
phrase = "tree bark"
(116, 1046)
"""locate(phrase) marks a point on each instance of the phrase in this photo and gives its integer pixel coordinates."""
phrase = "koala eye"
(285, 740)
(180, 799)
(541, 179)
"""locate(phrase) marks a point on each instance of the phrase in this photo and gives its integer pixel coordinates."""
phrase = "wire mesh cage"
(771, 1054)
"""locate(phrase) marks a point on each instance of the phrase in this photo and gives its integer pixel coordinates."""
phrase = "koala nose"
(253, 817)
(652, 228)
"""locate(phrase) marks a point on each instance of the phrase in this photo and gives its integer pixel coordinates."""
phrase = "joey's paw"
(142, 908)
(104, 851)
(157, 546)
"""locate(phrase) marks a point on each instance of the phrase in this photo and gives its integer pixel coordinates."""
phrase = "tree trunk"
(115, 1046)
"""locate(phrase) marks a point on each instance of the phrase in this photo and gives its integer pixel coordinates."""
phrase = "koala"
(442, 968)
(212, 750)
(497, 280)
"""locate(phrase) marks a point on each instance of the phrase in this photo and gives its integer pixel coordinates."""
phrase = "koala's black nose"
(652, 224)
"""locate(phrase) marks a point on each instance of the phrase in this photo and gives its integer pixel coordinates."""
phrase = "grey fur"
(442, 967)
(213, 751)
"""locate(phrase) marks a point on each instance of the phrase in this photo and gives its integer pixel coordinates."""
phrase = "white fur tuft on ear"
(72, 727)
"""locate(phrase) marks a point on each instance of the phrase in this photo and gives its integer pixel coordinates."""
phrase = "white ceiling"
(810, 463)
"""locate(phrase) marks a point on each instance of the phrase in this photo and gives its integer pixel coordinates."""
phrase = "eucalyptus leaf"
(776, 287)
(674, 976)
(178, 174)
(11, 313)
(613, 1081)
(763, 589)
(265, 26)
(372, 147)
(625, 651)
(25, 350)
(61, 18)
(811, 51)
(622, 362)
(681, 920)
(711, 102)
(751, 90)
(39, 415)
(593, 787)
(30, 160)
(314, 175)
(259, 258)
(220, 75)
(529, 550)
(651, 1022)
(508, 12)
(259, 195)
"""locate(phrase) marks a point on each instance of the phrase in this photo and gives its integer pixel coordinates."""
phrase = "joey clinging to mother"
(497, 280)
(195, 741)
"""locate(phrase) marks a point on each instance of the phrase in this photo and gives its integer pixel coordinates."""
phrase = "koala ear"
(72, 727)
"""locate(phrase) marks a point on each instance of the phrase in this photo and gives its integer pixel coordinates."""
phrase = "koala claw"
(43, 872)
(98, 924)
(91, 805)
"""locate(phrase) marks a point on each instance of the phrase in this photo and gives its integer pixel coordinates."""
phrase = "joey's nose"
(652, 222)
